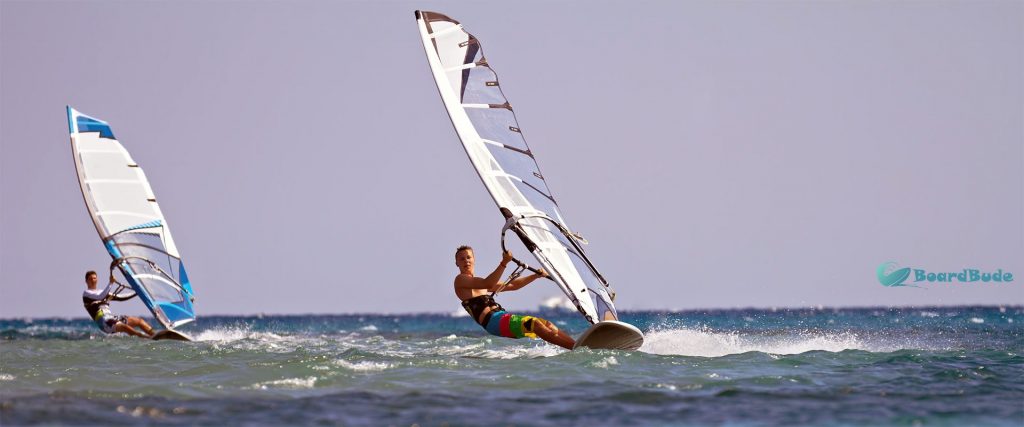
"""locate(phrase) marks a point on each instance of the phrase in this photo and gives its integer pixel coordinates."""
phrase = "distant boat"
(557, 305)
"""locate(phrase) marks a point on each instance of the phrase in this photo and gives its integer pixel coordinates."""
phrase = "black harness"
(475, 307)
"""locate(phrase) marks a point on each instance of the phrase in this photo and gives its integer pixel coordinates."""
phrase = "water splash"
(231, 334)
(605, 363)
(708, 343)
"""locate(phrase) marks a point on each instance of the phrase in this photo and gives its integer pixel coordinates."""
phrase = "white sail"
(487, 127)
(129, 221)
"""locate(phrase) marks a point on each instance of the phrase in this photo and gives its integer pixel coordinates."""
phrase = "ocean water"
(875, 366)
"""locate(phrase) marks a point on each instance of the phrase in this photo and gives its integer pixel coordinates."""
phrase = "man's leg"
(136, 322)
(550, 333)
(122, 327)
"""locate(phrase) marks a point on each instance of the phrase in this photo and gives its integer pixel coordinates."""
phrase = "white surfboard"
(611, 335)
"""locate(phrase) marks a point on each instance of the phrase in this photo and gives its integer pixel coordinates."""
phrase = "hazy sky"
(715, 154)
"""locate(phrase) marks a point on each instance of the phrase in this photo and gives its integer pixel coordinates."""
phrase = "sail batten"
(110, 181)
(129, 221)
(446, 31)
(461, 67)
(494, 142)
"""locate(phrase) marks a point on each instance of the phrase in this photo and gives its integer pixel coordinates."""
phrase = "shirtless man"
(95, 302)
(475, 293)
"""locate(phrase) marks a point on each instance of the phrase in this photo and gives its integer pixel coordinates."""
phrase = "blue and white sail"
(487, 127)
(129, 221)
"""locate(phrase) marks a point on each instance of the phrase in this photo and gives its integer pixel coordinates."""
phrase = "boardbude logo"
(891, 276)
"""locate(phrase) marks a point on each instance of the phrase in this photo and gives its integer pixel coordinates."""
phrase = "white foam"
(370, 328)
(44, 329)
(606, 363)
(486, 349)
(543, 350)
(364, 366)
(7, 377)
(977, 320)
(498, 354)
(459, 350)
(291, 383)
(245, 339)
(234, 334)
(139, 411)
(706, 343)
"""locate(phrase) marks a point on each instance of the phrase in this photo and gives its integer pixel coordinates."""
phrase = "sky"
(715, 154)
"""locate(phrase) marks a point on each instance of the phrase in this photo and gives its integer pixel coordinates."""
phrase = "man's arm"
(106, 296)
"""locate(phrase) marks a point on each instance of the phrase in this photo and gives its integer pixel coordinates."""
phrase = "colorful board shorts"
(106, 321)
(508, 325)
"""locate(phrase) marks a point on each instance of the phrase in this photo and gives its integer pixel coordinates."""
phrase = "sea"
(950, 366)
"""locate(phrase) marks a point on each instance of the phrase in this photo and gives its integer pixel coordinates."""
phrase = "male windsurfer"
(475, 293)
(95, 301)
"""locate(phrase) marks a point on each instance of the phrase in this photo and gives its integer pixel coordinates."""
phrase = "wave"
(50, 332)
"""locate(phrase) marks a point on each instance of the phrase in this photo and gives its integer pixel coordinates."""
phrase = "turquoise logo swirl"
(890, 275)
